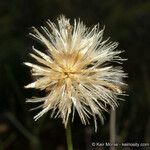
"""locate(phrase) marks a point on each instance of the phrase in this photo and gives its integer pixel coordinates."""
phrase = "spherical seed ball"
(75, 71)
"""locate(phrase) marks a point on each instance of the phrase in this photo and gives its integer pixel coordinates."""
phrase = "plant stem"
(112, 128)
(69, 136)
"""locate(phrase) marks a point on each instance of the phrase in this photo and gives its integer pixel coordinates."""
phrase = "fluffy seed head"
(75, 71)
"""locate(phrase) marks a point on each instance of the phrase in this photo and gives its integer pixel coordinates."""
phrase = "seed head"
(75, 71)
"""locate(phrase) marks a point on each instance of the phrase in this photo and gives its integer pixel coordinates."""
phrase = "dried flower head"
(75, 71)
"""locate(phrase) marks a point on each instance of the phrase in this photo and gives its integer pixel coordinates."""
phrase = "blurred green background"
(126, 21)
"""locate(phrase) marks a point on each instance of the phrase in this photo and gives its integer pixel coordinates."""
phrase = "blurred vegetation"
(126, 21)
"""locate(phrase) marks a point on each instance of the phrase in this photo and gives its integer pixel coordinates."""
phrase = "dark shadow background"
(126, 21)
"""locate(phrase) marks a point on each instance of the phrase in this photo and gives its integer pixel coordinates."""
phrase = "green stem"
(69, 136)
(112, 128)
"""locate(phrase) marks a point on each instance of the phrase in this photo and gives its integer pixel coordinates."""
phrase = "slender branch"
(113, 128)
(69, 136)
